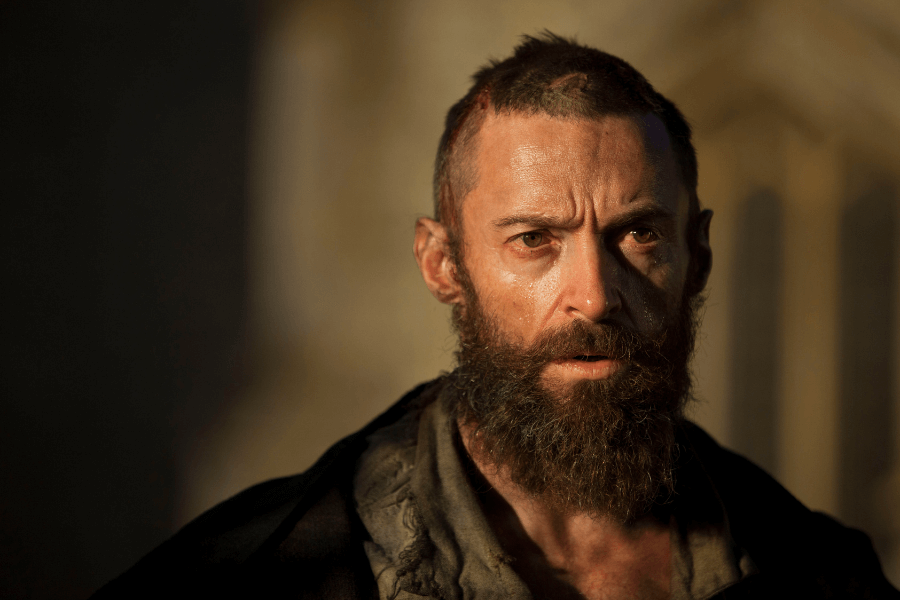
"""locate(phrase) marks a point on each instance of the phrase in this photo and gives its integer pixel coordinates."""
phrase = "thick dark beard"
(604, 447)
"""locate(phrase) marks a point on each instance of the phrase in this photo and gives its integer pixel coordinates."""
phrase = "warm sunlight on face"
(576, 219)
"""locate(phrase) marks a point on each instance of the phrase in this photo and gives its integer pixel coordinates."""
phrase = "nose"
(590, 289)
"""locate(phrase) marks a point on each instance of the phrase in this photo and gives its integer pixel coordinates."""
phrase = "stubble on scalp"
(603, 447)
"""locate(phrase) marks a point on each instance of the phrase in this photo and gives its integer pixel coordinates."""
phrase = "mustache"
(611, 340)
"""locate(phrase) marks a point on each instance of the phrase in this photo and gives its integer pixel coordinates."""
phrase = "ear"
(703, 256)
(433, 256)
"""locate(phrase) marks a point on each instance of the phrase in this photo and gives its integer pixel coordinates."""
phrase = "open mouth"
(585, 366)
(590, 357)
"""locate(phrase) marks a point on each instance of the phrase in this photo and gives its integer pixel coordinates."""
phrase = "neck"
(589, 555)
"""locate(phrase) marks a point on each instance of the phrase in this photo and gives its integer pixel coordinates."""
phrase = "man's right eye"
(532, 239)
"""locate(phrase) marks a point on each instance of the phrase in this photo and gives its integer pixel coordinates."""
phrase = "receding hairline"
(558, 77)
(465, 172)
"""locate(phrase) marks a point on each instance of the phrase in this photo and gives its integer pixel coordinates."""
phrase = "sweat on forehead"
(526, 161)
(650, 130)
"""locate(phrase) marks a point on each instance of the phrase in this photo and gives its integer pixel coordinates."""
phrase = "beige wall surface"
(796, 109)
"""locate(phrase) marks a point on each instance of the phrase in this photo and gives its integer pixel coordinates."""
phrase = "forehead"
(541, 163)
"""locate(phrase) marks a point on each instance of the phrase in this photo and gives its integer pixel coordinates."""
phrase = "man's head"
(570, 243)
(555, 77)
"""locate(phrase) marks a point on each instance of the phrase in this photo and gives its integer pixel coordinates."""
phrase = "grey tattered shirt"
(430, 538)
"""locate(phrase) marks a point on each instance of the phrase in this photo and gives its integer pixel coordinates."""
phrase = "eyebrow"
(538, 221)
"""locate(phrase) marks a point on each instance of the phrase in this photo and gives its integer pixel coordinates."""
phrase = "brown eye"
(643, 235)
(532, 239)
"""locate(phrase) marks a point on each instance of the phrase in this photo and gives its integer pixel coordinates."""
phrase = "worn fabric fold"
(431, 539)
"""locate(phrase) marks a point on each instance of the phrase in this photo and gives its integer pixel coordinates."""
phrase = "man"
(555, 461)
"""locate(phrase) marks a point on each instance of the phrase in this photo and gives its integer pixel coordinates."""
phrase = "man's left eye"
(642, 235)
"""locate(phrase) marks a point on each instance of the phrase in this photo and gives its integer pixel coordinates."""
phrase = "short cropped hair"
(558, 77)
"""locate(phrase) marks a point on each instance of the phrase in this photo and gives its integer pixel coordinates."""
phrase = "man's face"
(575, 321)
(575, 220)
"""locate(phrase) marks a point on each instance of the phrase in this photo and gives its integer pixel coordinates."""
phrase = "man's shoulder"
(757, 505)
(297, 522)
(791, 545)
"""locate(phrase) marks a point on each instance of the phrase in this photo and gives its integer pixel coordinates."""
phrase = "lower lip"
(571, 368)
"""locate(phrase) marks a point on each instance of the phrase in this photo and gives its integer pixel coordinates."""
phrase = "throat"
(575, 556)
(587, 558)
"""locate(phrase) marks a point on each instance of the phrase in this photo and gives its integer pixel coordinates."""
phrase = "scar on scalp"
(570, 82)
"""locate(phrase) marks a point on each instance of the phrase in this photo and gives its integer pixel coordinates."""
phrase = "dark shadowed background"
(207, 225)
(123, 135)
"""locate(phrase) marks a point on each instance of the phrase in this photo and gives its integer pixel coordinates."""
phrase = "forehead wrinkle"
(529, 163)
(550, 209)
(539, 169)
(574, 173)
(527, 156)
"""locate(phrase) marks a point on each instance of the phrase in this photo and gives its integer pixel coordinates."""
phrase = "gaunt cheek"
(655, 278)
(544, 294)
(651, 260)
(527, 299)
(509, 280)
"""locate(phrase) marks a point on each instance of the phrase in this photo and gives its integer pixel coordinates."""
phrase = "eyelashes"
(643, 235)
(536, 239)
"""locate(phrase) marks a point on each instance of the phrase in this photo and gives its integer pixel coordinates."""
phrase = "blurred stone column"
(888, 496)
(807, 433)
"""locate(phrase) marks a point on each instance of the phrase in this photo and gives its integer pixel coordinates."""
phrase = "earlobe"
(703, 254)
(431, 248)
